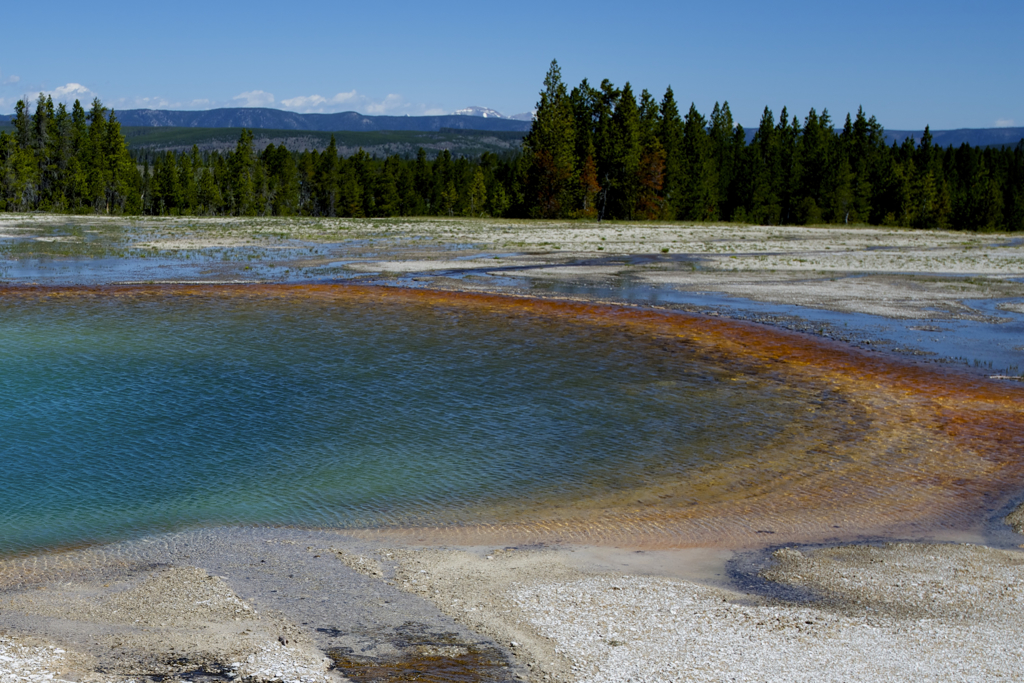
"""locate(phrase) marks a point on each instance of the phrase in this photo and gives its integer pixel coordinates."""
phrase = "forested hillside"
(593, 153)
(259, 117)
(460, 142)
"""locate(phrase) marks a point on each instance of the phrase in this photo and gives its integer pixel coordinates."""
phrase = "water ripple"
(131, 412)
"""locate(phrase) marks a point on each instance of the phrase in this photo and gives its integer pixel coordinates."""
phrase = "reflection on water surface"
(131, 410)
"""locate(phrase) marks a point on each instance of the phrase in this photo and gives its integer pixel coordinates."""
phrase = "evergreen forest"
(592, 153)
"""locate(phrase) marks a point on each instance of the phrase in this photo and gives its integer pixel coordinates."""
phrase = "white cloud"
(145, 103)
(70, 92)
(157, 102)
(393, 105)
(255, 98)
(76, 90)
(1004, 123)
(317, 103)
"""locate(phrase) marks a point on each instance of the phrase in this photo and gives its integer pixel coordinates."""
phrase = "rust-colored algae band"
(903, 449)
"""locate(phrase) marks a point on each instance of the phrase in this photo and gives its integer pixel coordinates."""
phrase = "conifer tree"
(327, 181)
(209, 194)
(390, 200)
(410, 203)
(584, 105)
(423, 181)
(498, 201)
(625, 155)
(362, 167)
(765, 173)
(650, 202)
(243, 172)
(59, 152)
(351, 192)
(77, 182)
(22, 123)
(477, 198)
(813, 165)
(788, 136)
(306, 173)
(865, 148)
(724, 152)
(550, 149)
(604, 141)
(449, 199)
(838, 185)
(23, 169)
(1013, 193)
(283, 181)
(671, 136)
(698, 191)
(12, 190)
(169, 182)
(187, 181)
(583, 100)
(44, 151)
(98, 171)
(930, 203)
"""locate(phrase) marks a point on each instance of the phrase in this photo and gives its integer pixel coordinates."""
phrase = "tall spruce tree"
(243, 176)
(764, 164)
(625, 155)
(584, 101)
(698, 199)
(326, 192)
(724, 156)
(650, 203)
(550, 149)
(670, 134)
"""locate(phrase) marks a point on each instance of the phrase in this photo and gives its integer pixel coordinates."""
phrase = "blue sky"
(947, 63)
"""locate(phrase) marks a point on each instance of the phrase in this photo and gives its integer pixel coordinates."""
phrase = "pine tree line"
(64, 161)
(591, 153)
(277, 182)
(602, 152)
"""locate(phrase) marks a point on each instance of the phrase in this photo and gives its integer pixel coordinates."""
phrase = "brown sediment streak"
(901, 449)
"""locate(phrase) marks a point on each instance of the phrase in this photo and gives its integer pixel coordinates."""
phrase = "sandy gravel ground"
(176, 621)
(865, 613)
(890, 272)
(893, 273)
(902, 611)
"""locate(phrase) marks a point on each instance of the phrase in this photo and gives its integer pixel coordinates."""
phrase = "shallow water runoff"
(127, 411)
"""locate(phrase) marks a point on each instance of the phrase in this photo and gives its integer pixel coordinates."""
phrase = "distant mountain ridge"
(470, 118)
(975, 137)
(275, 119)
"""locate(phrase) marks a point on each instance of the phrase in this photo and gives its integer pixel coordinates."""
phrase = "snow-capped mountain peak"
(479, 111)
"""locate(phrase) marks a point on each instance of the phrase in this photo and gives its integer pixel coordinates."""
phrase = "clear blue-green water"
(127, 415)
